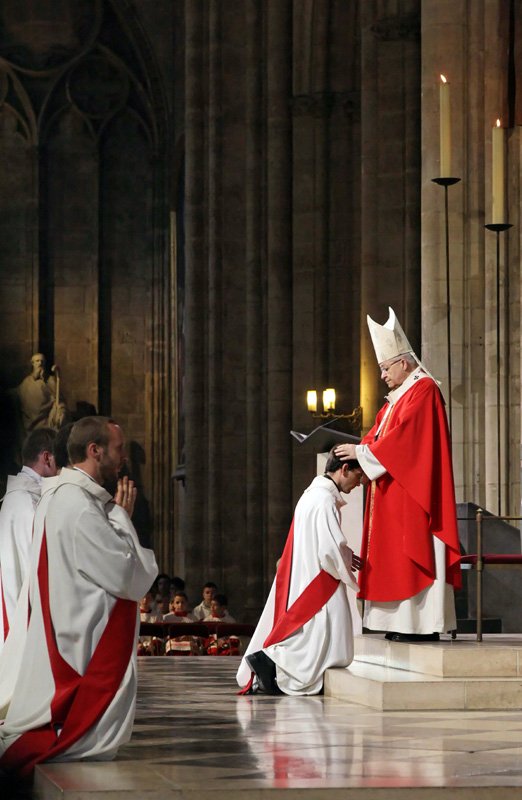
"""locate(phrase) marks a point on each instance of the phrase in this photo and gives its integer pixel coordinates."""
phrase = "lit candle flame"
(443, 79)
(498, 123)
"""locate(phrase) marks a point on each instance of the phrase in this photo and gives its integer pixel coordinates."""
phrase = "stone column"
(443, 52)
(196, 432)
(311, 279)
(390, 124)
(497, 333)
(214, 359)
(469, 43)
(513, 294)
(279, 275)
(255, 404)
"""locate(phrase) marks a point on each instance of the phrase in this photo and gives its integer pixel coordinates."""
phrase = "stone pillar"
(217, 461)
(513, 295)
(444, 49)
(255, 403)
(279, 275)
(196, 433)
(468, 43)
(311, 284)
(390, 124)
(326, 179)
(496, 316)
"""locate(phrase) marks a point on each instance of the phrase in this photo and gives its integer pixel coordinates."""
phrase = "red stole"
(310, 601)
(79, 701)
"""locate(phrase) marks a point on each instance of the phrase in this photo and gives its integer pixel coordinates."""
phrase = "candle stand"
(498, 228)
(446, 182)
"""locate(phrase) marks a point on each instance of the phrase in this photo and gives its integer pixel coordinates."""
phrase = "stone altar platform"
(457, 675)
(194, 738)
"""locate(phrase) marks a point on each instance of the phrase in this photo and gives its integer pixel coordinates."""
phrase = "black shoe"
(265, 669)
(390, 635)
(416, 637)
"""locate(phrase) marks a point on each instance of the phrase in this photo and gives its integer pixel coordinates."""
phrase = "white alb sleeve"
(370, 465)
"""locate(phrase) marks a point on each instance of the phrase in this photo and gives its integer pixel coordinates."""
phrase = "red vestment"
(412, 502)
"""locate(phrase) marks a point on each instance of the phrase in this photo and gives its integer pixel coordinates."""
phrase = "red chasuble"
(412, 502)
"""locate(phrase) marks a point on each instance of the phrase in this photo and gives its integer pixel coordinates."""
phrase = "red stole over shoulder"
(310, 601)
(79, 701)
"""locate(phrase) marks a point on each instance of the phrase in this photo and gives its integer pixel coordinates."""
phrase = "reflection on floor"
(195, 738)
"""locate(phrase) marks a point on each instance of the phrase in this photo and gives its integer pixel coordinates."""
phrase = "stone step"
(388, 689)
(497, 656)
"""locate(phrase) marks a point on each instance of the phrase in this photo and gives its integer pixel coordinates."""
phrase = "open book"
(323, 438)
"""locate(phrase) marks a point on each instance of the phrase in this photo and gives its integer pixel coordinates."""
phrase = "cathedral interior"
(200, 203)
(202, 200)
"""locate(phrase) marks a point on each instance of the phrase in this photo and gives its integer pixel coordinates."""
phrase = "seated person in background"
(162, 584)
(218, 610)
(149, 645)
(181, 645)
(176, 585)
(179, 609)
(222, 645)
(203, 610)
(162, 606)
(147, 611)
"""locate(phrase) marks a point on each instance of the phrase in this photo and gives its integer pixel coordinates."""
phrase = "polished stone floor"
(195, 738)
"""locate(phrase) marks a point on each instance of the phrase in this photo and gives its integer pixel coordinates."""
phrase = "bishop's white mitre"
(389, 340)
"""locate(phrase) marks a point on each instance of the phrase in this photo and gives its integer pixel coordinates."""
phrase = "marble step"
(497, 656)
(388, 689)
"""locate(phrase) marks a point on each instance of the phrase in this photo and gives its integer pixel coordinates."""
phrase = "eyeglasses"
(387, 367)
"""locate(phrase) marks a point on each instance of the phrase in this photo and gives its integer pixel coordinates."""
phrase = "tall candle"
(445, 128)
(498, 175)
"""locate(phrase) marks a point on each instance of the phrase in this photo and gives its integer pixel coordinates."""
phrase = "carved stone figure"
(39, 397)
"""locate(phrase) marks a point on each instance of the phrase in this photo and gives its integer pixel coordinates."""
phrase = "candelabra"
(498, 228)
(447, 182)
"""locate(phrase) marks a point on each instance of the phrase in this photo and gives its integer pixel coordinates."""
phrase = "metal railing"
(478, 565)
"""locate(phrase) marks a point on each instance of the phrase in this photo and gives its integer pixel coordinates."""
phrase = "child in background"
(181, 645)
(162, 606)
(218, 610)
(179, 609)
(222, 645)
(147, 610)
(149, 645)
(203, 610)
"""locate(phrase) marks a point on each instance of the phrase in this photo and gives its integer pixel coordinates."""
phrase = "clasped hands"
(126, 494)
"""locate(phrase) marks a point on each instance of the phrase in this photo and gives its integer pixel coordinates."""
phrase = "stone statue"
(39, 397)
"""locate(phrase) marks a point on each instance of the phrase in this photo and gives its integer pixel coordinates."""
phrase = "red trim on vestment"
(307, 605)
(247, 689)
(78, 702)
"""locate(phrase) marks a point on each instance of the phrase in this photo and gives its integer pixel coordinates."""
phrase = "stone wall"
(84, 258)
(302, 178)
(201, 201)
